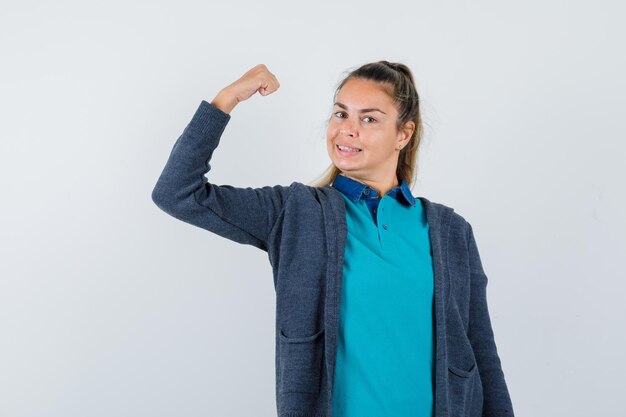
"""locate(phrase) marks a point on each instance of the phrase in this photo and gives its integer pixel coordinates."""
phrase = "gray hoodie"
(303, 230)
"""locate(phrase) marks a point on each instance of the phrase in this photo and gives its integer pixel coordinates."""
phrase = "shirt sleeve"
(245, 215)
(496, 399)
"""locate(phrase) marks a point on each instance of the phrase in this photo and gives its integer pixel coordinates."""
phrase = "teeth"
(345, 148)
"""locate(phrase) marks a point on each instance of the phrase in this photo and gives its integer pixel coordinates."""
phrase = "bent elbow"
(162, 198)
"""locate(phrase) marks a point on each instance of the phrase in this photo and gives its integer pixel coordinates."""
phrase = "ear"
(404, 135)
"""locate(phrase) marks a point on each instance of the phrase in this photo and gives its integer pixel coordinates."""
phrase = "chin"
(346, 168)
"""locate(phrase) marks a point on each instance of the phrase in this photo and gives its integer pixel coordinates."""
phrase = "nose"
(348, 127)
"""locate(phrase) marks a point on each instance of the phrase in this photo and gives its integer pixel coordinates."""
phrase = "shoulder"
(298, 193)
(440, 210)
(456, 223)
(304, 191)
(300, 196)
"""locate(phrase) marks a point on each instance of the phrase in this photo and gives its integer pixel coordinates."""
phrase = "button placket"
(387, 241)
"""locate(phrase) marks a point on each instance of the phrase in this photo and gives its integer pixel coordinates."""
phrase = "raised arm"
(244, 215)
(496, 399)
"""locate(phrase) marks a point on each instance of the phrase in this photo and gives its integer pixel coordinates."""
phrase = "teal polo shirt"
(385, 350)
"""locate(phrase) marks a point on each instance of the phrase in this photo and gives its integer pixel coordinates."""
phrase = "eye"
(366, 117)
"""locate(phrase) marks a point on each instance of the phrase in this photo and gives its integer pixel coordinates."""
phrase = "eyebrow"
(343, 106)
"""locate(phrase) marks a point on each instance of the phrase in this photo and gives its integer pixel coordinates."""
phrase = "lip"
(346, 153)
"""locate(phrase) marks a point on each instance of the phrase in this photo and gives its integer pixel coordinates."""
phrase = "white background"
(110, 307)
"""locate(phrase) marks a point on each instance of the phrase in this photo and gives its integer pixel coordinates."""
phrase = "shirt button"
(385, 227)
(366, 191)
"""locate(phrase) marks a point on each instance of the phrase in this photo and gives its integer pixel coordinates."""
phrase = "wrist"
(225, 101)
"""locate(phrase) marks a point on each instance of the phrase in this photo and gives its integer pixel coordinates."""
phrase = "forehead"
(364, 93)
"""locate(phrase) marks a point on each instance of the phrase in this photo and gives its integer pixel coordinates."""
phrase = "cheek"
(331, 134)
(329, 145)
(331, 131)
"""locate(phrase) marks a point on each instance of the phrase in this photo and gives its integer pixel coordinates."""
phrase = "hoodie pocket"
(301, 363)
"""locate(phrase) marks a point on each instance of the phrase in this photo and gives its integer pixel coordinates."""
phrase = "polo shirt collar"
(356, 190)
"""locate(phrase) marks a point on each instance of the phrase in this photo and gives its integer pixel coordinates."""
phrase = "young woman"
(381, 305)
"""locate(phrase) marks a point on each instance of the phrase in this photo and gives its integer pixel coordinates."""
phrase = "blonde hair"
(397, 80)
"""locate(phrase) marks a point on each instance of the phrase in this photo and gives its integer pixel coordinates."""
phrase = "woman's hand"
(259, 78)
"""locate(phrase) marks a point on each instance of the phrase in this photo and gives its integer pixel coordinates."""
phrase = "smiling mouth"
(348, 150)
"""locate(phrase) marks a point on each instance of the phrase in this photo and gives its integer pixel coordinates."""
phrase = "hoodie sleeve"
(244, 215)
(496, 399)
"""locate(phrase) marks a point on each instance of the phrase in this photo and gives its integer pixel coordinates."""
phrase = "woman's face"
(364, 118)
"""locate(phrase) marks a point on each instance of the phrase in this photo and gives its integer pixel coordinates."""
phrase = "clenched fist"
(259, 78)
